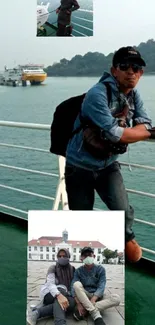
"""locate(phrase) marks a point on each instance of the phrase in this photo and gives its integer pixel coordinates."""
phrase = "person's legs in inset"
(85, 301)
(111, 189)
(80, 188)
(112, 301)
(59, 314)
(71, 304)
(61, 30)
(46, 310)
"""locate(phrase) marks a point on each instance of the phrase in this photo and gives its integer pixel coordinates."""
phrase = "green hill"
(94, 63)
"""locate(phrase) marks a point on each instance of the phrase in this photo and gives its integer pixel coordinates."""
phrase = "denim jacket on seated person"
(95, 108)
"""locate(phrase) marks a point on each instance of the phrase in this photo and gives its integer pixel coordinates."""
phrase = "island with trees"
(94, 63)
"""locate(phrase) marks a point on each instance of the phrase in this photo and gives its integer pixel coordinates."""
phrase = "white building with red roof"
(45, 248)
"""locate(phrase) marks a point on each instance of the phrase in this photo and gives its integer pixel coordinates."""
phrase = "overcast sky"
(104, 226)
(116, 23)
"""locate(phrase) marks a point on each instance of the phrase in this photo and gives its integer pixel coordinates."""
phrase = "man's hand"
(82, 311)
(152, 131)
(57, 11)
(94, 299)
(63, 301)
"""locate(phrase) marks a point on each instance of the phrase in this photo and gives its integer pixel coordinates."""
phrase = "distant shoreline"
(88, 76)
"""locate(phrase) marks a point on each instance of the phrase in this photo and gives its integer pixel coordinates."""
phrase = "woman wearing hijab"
(55, 293)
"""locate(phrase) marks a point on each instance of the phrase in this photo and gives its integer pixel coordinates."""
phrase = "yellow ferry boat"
(34, 73)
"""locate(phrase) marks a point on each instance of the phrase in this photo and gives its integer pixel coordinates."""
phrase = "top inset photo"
(64, 18)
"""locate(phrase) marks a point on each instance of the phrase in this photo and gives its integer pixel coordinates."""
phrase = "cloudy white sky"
(104, 226)
(116, 23)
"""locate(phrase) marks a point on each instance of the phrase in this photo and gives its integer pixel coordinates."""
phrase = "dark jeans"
(108, 183)
(61, 30)
(52, 308)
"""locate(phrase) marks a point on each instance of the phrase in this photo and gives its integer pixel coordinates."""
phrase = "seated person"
(88, 287)
(55, 293)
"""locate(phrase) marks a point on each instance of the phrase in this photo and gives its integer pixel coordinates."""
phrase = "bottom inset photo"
(75, 268)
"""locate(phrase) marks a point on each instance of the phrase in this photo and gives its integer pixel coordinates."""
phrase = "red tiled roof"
(50, 238)
(43, 242)
(95, 244)
(120, 254)
(74, 243)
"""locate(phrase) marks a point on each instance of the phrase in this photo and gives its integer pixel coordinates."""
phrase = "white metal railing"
(61, 196)
(86, 10)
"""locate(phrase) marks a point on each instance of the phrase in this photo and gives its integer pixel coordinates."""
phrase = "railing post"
(64, 198)
(57, 197)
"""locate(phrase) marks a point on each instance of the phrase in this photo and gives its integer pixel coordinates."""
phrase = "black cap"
(86, 250)
(127, 54)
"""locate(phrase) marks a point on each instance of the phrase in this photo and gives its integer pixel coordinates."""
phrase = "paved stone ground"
(115, 284)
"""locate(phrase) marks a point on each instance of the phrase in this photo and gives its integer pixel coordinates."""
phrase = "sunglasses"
(125, 66)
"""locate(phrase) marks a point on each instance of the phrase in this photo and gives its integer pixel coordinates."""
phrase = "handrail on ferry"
(61, 195)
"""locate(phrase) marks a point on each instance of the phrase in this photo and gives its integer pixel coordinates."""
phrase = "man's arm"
(141, 122)
(140, 114)
(135, 134)
(95, 107)
(80, 307)
(101, 284)
(75, 5)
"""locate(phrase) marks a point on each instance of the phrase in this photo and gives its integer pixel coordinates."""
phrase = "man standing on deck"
(88, 287)
(84, 172)
(64, 15)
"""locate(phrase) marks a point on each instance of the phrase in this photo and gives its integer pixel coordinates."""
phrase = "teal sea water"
(36, 105)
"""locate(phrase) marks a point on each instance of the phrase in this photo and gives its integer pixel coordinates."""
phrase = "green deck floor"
(140, 284)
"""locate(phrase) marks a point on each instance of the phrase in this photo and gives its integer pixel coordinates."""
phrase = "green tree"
(107, 253)
(94, 64)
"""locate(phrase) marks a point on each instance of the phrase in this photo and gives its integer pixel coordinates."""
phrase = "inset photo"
(75, 268)
(65, 18)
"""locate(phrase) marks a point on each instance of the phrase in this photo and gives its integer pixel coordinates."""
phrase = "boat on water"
(10, 77)
(34, 73)
(140, 277)
(22, 74)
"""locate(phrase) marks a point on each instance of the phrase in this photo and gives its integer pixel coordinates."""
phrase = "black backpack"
(63, 122)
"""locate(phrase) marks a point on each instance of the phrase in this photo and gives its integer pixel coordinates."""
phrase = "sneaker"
(32, 317)
(99, 321)
(133, 251)
(77, 315)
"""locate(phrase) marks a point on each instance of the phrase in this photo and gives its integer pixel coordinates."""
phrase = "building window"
(41, 249)
(53, 257)
(30, 256)
(98, 258)
(53, 249)
(47, 256)
(35, 248)
(74, 250)
(41, 256)
(47, 249)
(99, 250)
(74, 257)
(29, 248)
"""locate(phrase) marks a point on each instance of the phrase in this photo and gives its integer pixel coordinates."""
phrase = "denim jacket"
(93, 281)
(95, 107)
